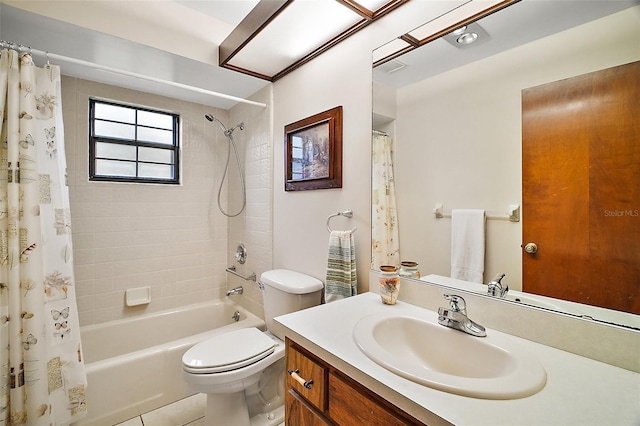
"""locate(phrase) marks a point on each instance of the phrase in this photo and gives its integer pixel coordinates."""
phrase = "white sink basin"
(492, 367)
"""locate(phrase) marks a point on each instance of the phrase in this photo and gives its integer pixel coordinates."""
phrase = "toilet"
(242, 371)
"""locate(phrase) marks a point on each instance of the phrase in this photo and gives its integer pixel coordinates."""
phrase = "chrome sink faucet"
(495, 289)
(456, 317)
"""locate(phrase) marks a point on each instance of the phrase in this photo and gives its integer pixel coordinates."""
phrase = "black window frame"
(93, 140)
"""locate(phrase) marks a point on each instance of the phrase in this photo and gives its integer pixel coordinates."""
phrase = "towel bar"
(512, 215)
(346, 213)
(232, 270)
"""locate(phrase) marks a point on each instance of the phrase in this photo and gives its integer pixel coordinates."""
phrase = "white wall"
(300, 232)
(341, 76)
(253, 227)
(459, 139)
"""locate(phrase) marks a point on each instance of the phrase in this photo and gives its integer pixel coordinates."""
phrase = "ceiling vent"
(391, 66)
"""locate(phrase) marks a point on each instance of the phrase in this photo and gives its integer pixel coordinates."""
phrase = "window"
(132, 144)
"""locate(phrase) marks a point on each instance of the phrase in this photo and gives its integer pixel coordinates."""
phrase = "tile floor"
(188, 411)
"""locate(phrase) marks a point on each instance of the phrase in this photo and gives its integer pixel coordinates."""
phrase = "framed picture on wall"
(313, 152)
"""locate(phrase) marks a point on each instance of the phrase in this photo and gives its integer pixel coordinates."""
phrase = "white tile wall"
(254, 226)
(171, 238)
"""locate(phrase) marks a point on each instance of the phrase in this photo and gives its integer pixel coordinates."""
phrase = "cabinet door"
(311, 371)
(350, 405)
(298, 412)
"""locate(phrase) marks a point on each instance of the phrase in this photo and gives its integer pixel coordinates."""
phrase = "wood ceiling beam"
(258, 19)
(265, 13)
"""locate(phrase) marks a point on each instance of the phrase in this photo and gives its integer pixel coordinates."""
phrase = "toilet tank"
(286, 291)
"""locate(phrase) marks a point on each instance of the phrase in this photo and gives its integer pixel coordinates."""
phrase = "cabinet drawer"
(313, 373)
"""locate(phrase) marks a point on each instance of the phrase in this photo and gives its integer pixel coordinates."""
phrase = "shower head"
(222, 126)
(231, 144)
(212, 119)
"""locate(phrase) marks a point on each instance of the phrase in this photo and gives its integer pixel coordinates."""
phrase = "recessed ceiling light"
(459, 30)
(467, 38)
(472, 35)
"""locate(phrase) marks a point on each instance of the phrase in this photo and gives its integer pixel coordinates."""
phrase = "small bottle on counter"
(389, 282)
(409, 269)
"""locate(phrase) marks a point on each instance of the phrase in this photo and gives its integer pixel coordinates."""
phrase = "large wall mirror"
(453, 116)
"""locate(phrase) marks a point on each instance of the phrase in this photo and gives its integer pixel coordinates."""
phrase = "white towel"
(467, 244)
(341, 267)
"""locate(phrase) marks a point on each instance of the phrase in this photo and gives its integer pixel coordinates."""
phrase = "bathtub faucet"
(236, 290)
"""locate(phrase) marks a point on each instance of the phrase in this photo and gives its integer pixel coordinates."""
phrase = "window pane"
(156, 171)
(155, 135)
(114, 130)
(133, 144)
(154, 119)
(296, 170)
(115, 168)
(115, 151)
(155, 155)
(115, 113)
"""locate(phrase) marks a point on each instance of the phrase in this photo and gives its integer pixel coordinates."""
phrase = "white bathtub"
(135, 365)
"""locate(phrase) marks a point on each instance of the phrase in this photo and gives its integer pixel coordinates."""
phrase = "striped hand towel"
(341, 267)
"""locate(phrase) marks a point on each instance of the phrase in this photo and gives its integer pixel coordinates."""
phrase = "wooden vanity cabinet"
(330, 397)
(305, 405)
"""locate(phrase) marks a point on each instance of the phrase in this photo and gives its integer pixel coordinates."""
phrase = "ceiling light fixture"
(467, 38)
(278, 36)
(459, 31)
(430, 32)
(471, 35)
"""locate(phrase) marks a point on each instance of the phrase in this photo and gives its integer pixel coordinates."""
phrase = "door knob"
(531, 248)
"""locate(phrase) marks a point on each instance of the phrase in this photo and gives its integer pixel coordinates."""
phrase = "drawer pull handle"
(297, 378)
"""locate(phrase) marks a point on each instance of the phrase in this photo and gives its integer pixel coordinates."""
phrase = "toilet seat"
(228, 351)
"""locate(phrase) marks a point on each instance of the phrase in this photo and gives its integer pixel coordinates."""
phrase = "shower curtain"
(43, 379)
(385, 248)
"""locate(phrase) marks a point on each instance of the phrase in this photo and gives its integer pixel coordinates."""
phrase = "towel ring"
(346, 213)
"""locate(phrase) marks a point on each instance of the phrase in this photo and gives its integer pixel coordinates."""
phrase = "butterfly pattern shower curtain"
(43, 378)
(385, 244)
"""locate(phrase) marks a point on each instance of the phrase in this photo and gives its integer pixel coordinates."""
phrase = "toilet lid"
(228, 351)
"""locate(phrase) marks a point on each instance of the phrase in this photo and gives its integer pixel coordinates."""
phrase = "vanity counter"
(579, 391)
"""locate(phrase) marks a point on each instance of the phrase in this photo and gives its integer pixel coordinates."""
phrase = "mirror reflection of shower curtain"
(385, 245)
(42, 374)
